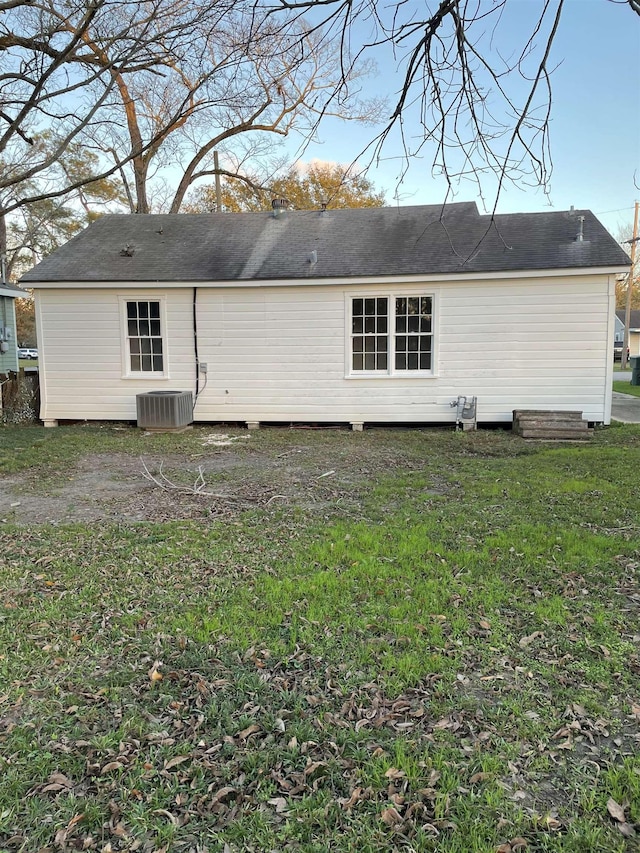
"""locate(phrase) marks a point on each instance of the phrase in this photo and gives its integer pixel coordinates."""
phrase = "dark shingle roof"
(428, 239)
(634, 320)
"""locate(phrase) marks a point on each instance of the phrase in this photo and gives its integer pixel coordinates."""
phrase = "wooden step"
(551, 425)
(558, 423)
(549, 415)
(549, 433)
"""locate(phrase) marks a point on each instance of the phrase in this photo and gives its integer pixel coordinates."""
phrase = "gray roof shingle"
(634, 319)
(417, 240)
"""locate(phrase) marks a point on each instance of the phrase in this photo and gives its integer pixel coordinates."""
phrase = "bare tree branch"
(460, 101)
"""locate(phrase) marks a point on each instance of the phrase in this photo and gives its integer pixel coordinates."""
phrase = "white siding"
(81, 348)
(277, 353)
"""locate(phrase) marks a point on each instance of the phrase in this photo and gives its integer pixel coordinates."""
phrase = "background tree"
(282, 81)
(153, 84)
(624, 235)
(37, 228)
(25, 322)
(305, 186)
(52, 91)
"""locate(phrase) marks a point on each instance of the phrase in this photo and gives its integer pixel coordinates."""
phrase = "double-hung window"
(144, 341)
(391, 335)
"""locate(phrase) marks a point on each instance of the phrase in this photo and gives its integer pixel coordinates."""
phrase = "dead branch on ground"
(198, 488)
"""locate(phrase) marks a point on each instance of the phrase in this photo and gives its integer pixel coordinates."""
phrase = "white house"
(634, 332)
(377, 315)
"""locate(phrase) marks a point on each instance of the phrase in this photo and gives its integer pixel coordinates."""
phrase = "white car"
(27, 352)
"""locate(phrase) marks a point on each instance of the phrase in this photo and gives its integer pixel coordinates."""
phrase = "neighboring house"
(360, 316)
(618, 337)
(8, 340)
(634, 331)
(620, 317)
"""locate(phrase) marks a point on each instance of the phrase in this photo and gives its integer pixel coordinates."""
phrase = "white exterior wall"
(81, 357)
(280, 352)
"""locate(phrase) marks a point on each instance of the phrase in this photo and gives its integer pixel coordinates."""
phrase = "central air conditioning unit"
(164, 410)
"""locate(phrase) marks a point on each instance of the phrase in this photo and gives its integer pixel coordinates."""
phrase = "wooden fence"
(19, 397)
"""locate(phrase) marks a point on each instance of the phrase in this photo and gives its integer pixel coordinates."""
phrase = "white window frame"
(127, 372)
(391, 370)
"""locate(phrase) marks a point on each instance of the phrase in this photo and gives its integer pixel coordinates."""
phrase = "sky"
(595, 120)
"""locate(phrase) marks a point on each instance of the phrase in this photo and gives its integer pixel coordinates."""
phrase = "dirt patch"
(220, 475)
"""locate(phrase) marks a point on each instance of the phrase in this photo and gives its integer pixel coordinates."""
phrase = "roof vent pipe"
(580, 236)
(279, 205)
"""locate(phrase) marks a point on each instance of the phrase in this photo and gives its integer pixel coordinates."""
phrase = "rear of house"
(351, 316)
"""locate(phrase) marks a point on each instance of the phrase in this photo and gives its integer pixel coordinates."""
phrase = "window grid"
(144, 336)
(369, 327)
(413, 333)
(405, 347)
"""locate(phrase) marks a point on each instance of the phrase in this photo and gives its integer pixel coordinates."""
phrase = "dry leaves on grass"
(516, 845)
(617, 812)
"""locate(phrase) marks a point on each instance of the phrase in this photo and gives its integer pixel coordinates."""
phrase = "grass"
(625, 387)
(444, 658)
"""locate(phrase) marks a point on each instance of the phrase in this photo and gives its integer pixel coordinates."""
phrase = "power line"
(619, 210)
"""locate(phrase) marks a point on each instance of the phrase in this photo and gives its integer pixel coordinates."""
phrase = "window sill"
(154, 377)
(409, 374)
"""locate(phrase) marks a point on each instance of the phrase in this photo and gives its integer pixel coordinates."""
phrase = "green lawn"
(626, 388)
(423, 641)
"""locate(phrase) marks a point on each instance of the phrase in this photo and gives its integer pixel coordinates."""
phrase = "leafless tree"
(472, 101)
(245, 79)
(153, 87)
(50, 80)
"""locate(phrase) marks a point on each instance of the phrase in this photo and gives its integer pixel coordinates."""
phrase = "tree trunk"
(3, 248)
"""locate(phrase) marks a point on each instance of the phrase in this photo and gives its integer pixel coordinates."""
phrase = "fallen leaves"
(280, 804)
(111, 767)
(223, 795)
(154, 673)
(57, 782)
(253, 729)
(617, 812)
(524, 642)
(357, 795)
(245, 759)
(176, 761)
(516, 845)
(480, 777)
(391, 816)
(394, 773)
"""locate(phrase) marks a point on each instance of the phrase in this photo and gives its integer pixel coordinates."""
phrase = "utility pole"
(216, 166)
(627, 311)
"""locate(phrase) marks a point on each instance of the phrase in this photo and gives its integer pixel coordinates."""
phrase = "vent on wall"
(164, 409)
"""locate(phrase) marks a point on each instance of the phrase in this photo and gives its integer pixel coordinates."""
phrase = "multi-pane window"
(370, 325)
(391, 334)
(144, 336)
(413, 338)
